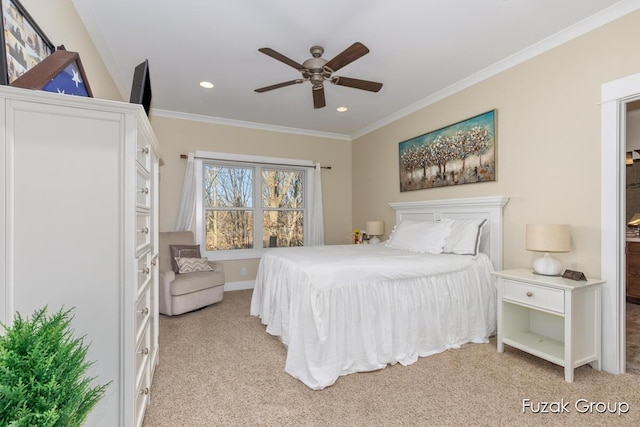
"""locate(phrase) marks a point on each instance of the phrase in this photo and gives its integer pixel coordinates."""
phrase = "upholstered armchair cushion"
(180, 293)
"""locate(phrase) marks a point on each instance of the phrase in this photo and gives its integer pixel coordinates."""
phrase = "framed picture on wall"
(461, 153)
(23, 43)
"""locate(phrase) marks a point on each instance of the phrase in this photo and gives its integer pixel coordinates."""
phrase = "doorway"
(615, 96)
(632, 244)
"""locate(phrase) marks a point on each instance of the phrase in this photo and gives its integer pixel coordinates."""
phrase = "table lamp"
(375, 229)
(634, 221)
(548, 238)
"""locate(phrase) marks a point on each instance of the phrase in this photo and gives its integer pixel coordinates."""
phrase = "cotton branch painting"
(461, 153)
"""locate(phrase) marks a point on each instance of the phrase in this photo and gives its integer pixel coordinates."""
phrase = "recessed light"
(206, 85)
(341, 109)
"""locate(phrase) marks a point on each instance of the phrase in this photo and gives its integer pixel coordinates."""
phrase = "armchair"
(180, 293)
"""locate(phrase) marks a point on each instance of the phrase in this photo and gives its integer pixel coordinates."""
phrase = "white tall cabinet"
(80, 230)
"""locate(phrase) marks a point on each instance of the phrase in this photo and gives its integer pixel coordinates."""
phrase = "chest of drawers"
(80, 202)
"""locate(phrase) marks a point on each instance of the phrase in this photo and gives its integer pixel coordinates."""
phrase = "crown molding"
(244, 124)
(601, 18)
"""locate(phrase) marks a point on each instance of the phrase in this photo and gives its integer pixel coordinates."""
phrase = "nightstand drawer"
(537, 296)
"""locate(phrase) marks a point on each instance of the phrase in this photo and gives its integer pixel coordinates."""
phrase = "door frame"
(614, 97)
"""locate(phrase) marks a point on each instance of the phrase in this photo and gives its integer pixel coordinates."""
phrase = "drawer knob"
(144, 310)
(144, 230)
(529, 294)
(144, 390)
(144, 190)
(154, 262)
(145, 270)
(144, 350)
(145, 150)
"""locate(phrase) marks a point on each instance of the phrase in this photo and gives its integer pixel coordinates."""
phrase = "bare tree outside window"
(283, 208)
(230, 211)
(228, 201)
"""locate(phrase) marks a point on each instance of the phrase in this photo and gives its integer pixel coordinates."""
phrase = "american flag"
(68, 81)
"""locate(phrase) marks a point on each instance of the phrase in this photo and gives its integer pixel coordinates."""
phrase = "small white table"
(553, 318)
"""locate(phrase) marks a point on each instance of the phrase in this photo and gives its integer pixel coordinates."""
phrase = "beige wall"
(548, 147)
(180, 137)
(548, 143)
(60, 22)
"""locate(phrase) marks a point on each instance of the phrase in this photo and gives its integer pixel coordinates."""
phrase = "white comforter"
(351, 308)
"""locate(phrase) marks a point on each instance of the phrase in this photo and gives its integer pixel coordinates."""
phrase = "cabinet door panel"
(67, 226)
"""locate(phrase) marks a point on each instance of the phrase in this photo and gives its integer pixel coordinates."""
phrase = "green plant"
(42, 373)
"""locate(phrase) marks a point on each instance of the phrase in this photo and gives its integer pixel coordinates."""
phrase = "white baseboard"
(238, 286)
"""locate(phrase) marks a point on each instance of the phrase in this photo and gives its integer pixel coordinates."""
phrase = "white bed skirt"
(376, 320)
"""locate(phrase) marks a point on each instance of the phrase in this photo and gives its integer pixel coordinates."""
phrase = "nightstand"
(553, 318)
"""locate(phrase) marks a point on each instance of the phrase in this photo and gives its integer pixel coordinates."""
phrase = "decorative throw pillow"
(191, 265)
(465, 237)
(420, 236)
(183, 251)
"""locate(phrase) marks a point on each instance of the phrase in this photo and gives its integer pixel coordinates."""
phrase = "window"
(282, 208)
(248, 206)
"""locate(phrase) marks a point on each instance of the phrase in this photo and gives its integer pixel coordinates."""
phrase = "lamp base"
(373, 240)
(547, 266)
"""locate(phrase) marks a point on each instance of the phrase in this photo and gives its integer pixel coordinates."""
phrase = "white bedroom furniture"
(79, 230)
(180, 293)
(353, 308)
(554, 318)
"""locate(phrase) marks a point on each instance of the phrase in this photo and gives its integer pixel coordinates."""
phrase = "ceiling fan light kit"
(317, 70)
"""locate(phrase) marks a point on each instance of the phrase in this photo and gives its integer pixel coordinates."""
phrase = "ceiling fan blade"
(357, 83)
(318, 97)
(279, 85)
(347, 56)
(280, 57)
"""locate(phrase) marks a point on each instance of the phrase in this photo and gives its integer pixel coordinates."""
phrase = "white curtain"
(316, 221)
(188, 200)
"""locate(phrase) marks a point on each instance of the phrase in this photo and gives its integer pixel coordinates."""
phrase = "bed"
(352, 308)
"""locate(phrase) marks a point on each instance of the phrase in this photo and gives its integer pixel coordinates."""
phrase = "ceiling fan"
(317, 69)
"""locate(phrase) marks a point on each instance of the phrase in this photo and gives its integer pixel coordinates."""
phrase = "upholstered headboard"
(489, 208)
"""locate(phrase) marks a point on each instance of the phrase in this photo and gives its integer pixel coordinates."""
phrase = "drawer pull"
(144, 190)
(144, 350)
(144, 230)
(154, 262)
(145, 150)
(144, 310)
(144, 390)
(144, 270)
(529, 294)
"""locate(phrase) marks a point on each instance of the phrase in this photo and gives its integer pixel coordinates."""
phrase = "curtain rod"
(184, 156)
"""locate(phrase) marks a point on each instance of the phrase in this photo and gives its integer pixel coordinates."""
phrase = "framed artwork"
(23, 43)
(461, 153)
(60, 72)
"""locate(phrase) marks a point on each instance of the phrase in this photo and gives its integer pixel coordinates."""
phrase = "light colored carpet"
(218, 367)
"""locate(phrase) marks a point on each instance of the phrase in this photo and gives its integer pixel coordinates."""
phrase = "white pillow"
(465, 237)
(420, 236)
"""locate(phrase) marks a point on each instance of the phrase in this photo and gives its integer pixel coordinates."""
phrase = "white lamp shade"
(375, 228)
(548, 237)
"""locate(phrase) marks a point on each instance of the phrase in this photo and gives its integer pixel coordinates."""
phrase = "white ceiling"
(421, 50)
